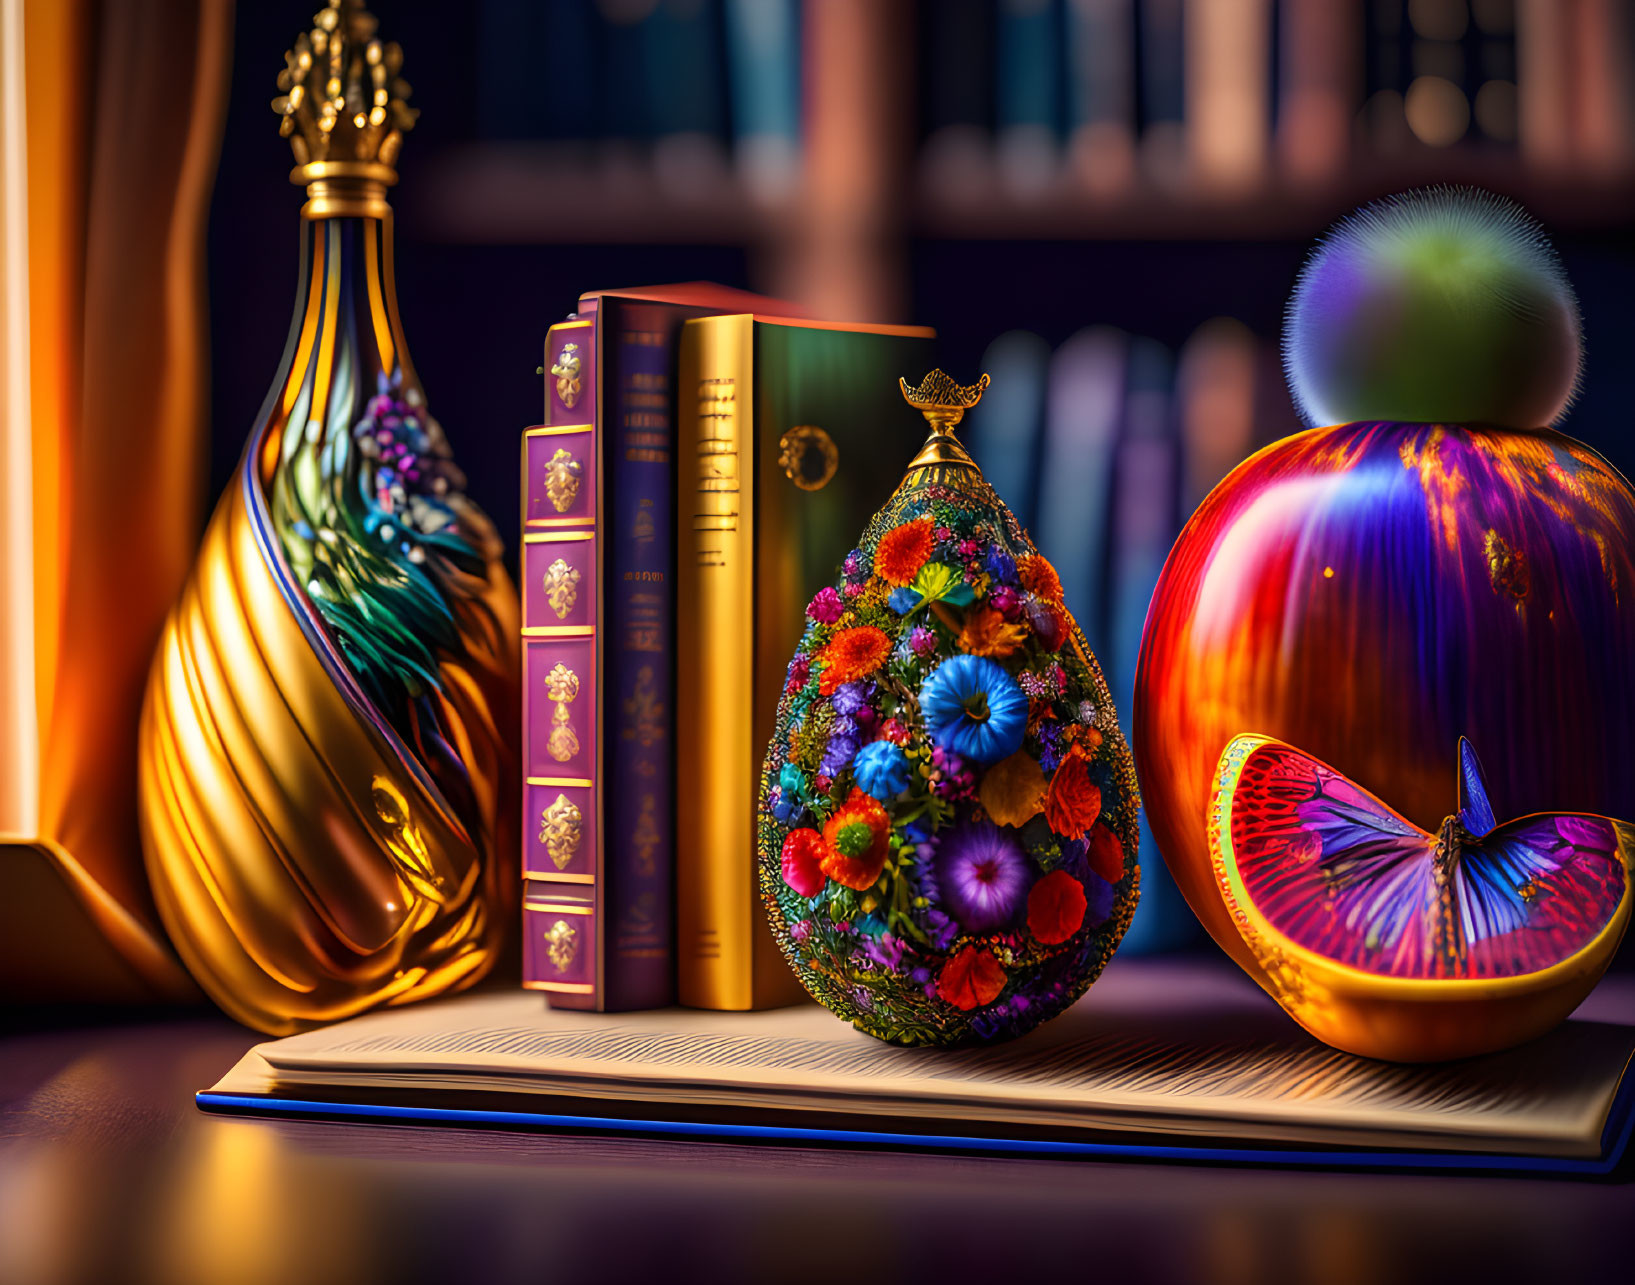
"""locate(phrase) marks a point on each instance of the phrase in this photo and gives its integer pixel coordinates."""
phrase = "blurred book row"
(1102, 448)
(686, 83)
(1099, 96)
(1225, 95)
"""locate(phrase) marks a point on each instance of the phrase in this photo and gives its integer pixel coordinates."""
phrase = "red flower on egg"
(852, 654)
(802, 857)
(1039, 577)
(1073, 801)
(1056, 907)
(971, 979)
(1106, 853)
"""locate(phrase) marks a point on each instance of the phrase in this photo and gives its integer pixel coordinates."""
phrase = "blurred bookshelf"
(843, 129)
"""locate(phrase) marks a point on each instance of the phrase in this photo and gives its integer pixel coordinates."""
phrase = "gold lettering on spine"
(718, 480)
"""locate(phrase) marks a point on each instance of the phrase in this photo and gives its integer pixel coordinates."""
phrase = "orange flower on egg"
(856, 838)
(1013, 789)
(1039, 577)
(903, 550)
(971, 979)
(987, 633)
(1089, 737)
(1073, 801)
(852, 654)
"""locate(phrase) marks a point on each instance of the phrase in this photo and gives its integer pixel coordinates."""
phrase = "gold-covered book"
(789, 435)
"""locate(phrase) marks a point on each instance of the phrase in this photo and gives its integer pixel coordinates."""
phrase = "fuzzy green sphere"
(1438, 306)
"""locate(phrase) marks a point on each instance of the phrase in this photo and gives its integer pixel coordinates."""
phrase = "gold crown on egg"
(943, 403)
(940, 399)
(342, 98)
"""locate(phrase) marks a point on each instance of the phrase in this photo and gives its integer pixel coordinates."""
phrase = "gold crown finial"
(343, 106)
(943, 403)
(941, 400)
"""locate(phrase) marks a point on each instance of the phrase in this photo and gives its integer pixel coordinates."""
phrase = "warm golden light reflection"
(40, 1194)
(227, 1214)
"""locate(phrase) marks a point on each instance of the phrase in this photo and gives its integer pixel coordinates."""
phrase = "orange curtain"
(123, 104)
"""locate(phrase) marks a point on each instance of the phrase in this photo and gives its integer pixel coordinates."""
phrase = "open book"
(1164, 1060)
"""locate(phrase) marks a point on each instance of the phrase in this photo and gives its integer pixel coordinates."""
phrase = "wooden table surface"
(109, 1173)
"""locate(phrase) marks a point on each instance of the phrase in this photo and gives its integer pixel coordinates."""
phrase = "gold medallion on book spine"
(327, 747)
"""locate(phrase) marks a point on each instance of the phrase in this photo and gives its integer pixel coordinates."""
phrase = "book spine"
(638, 650)
(763, 62)
(1029, 93)
(1101, 93)
(562, 506)
(716, 885)
(1227, 69)
(1162, 77)
(1318, 95)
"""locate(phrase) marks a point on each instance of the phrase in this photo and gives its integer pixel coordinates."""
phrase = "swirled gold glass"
(327, 744)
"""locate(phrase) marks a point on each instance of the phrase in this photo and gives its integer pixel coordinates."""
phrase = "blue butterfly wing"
(1533, 891)
(1475, 812)
(1339, 872)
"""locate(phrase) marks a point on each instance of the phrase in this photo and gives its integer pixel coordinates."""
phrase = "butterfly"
(1339, 872)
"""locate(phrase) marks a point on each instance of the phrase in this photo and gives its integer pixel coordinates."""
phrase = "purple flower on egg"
(850, 699)
(983, 875)
(838, 754)
(1000, 565)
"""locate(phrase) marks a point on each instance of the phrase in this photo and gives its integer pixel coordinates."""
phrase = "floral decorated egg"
(947, 838)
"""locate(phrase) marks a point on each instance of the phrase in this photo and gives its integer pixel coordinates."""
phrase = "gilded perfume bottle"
(327, 743)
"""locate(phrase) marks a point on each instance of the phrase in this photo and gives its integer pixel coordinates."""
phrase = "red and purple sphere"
(1444, 564)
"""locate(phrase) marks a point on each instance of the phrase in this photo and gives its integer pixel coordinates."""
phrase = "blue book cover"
(1163, 1060)
(1030, 64)
(1086, 402)
(1005, 428)
(763, 65)
(638, 577)
(681, 55)
(1161, 45)
(1029, 99)
(1145, 524)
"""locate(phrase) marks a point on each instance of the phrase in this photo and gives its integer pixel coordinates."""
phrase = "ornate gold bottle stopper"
(345, 110)
(943, 403)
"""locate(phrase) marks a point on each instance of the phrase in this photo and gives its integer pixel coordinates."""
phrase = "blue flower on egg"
(882, 770)
(974, 708)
